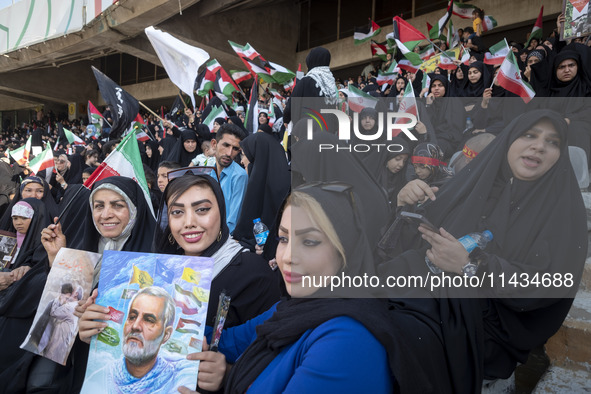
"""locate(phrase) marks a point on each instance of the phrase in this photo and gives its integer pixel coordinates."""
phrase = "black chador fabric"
(153, 161)
(87, 238)
(74, 209)
(447, 115)
(406, 338)
(179, 154)
(124, 107)
(545, 82)
(457, 87)
(342, 166)
(253, 286)
(486, 338)
(50, 205)
(477, 88)
(18, 302)
(316, 83)
(269, 182)
(377, 165)
(394, 91)
(167, 145)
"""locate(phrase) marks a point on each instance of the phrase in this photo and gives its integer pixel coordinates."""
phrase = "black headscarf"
(458, 86)
(140, 239)
(400, 333)
(431, 156)
(318, 57)
(538, 226)
(269, 182)
(477, 88)
(179, 154)
(153, 161)
(579, 86)
(50, 205)
(238, 122)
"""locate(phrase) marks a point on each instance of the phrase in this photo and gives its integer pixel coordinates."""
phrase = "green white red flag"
(509, 77)
(358, 99)
(95, 117)
(489, 23)
(407, 105)
(21, 155)
(463, 10)
(496, 54)
(125, 161)
(536, 32)
(72, 138)
(240, 76)
(42, 161)
(407, 37)
(364, 33)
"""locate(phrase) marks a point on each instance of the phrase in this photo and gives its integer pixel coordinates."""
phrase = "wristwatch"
(471, 266)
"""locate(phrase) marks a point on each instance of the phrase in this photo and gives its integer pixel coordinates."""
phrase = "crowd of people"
(482, 159)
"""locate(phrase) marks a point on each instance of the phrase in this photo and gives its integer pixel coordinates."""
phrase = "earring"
(220, 235)
(171, 239)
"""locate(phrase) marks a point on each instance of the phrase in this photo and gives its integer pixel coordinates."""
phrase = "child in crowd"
(207, 158)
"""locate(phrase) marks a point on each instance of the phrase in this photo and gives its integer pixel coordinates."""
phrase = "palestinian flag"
(379, 49)
(216, 112)
(364, 33)
(488, 23)
(408, 66)
(94, 116)
(280, 74)
(509, 77)
(442, 22)
(407, 38)
(427, 52)
(72, 138)
(125, 161)
(446, 60)
(536, 32)
(240, 76)
(384, 78)
(358, 99)
(223, 84)
(187, 326)
(497, 53)
(204, 82)
(407, 105)
(137, 126)
(463, 10)
(42, 161)
(433, 33)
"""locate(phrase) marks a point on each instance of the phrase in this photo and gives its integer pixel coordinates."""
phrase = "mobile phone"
(418, 219)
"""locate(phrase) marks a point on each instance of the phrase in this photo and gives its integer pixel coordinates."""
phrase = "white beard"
(137, 355)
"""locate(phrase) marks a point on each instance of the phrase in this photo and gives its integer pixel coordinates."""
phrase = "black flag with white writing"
(124, 107)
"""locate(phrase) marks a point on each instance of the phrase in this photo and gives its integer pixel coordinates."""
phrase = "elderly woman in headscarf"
(318, 82)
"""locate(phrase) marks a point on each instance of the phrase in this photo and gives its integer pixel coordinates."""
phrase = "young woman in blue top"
(303, 344)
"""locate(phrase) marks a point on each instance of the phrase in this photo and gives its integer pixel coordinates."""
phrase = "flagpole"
(152, 112)
(181, 96)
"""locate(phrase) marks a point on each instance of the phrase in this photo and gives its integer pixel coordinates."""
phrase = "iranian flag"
(358, 99)
(426, 82)
(465, 59)
(137, 126)
(497, 53)
(379, 49)
(536, 32)
(240, 76)
(384, 78)
(489, 23)
(427, 53)
(72, 138)
(94, 116)
(21, 155)
(407, 38)
(254, 61)
(509, 77)
(42, 161)
(216, 112)
(275, 93)
(125, 161)
(463, 10)
(408, 105)
(408, 66)
(446, 60)
(364, 33)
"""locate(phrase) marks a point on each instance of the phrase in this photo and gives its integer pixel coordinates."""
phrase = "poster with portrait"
(157, 306)
(577, 21)
(55, 326)
(7, 248)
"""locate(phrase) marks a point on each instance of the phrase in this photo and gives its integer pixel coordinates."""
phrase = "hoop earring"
(171, 239)
(219, 235)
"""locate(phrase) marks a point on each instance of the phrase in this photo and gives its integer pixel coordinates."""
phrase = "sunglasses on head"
(199, 170)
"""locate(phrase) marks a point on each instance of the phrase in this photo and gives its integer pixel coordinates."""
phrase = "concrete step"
(559, 380)
(570, 347)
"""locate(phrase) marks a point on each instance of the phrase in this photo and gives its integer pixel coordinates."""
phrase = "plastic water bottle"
(260, 231)
(469, 242)
(469, 125)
